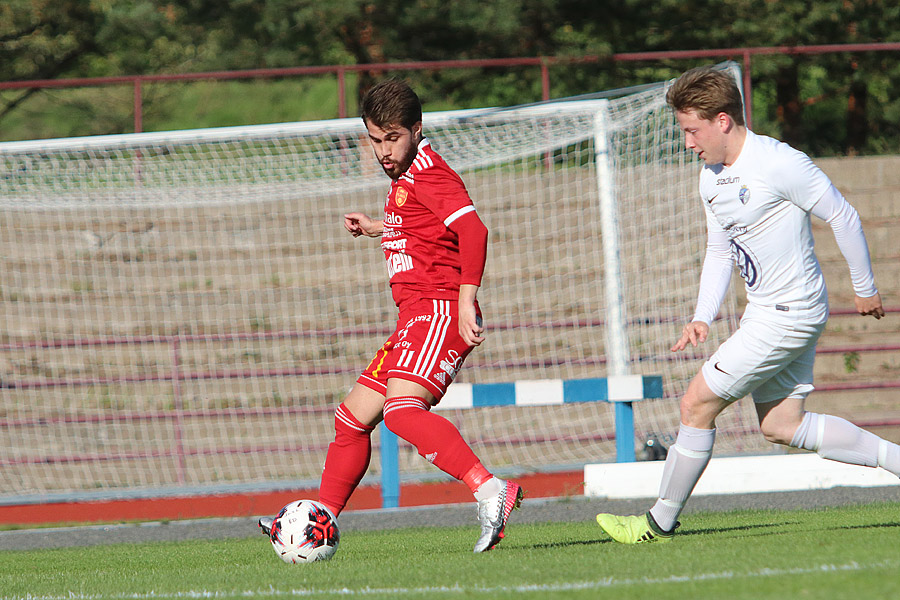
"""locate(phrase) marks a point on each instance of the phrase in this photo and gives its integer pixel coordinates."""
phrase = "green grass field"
(848, 552)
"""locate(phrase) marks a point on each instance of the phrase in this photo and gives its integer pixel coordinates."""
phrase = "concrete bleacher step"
(734, 475)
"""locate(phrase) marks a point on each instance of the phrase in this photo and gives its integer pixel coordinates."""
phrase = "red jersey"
(421, 251)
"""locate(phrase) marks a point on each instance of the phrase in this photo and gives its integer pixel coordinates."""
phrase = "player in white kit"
(758, 194)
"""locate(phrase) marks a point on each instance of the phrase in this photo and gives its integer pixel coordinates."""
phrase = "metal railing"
(176, 375)
(544, 63)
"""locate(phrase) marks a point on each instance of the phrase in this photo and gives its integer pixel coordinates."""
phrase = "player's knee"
(697, 414)
(780, 422)
(778, 433)
(346, 425)
(775, 437)
(403, 411)
(700, 406)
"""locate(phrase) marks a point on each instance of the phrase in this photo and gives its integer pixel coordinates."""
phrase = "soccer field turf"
(847, 552)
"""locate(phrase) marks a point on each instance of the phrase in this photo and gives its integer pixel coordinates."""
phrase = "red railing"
(175, 375)
(542, 62)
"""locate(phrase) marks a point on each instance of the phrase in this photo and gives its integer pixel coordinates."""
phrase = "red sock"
(347, 460)
(436, 438)
(476, 476)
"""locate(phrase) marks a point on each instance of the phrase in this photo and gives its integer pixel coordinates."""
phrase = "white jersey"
(761, 203)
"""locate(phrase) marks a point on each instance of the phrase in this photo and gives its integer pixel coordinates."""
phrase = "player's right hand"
(360, 224)
(693, 333)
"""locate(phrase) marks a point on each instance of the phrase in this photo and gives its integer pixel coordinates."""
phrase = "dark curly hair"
(391, 103)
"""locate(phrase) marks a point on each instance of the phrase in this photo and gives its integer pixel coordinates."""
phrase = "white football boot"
(493, 514)
(265, 523)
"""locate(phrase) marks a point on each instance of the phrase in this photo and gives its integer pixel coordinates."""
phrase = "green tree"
(43, 39)
(823, 104)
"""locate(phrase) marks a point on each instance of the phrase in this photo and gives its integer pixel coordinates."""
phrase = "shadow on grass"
(603, 539)
(758, 529)
(740, 528)
(571, 543)
(873, 526)
(754, 529)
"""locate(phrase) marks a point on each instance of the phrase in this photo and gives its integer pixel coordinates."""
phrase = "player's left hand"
(693, 333)
(870, 306)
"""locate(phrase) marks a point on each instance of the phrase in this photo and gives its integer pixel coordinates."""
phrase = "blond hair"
(707, 92)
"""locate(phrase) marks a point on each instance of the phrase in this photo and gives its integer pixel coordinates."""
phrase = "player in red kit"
(435, 247)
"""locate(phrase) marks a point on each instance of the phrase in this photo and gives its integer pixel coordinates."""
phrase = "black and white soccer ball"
(304, 531)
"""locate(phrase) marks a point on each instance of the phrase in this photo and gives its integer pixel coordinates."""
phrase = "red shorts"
(426, 348)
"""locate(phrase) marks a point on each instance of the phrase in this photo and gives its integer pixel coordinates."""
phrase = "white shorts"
(770, 356)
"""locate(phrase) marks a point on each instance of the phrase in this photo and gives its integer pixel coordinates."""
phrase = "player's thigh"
(398, 388)
(795, 378)
(375, 375)
(366, 404)
(429, 349)
(754, 355)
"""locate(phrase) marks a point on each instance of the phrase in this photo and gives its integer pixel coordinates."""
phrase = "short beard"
(400, 168)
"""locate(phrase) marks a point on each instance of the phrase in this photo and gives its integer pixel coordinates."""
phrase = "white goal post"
(184, 309)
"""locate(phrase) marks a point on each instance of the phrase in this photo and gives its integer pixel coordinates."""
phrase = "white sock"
(840, 440)
(489, 488)
(685, 463)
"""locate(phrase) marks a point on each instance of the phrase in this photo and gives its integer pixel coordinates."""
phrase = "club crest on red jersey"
(401, 196)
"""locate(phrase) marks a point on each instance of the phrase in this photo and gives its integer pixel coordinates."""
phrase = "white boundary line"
(604, 583)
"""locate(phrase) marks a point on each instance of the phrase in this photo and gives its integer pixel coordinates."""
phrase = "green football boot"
(634, 529)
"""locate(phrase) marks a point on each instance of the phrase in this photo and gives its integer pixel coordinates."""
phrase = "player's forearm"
(467, 294)
(376, 229)
(714, 279)
(834, 209)
(358, 224)
(856, 252)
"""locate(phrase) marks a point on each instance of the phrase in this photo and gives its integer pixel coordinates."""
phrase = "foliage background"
(825, 104)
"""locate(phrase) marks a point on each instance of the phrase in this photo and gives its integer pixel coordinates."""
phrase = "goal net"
(184, 309)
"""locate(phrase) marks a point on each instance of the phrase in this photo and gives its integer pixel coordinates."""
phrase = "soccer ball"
(305, 531)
